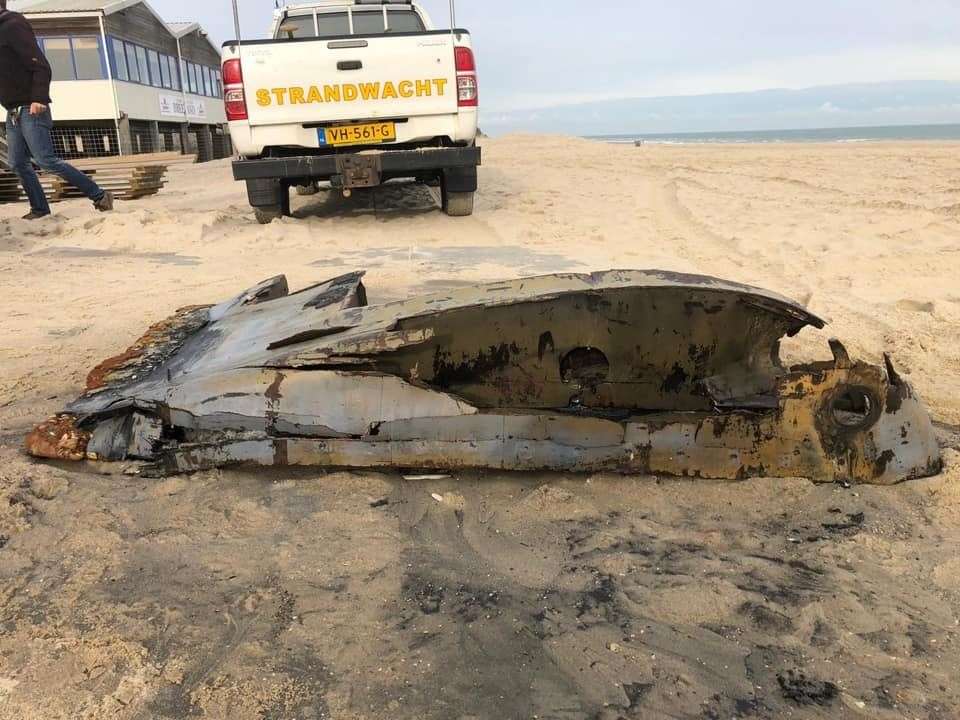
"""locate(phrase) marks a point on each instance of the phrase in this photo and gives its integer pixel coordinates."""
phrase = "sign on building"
(175, 106)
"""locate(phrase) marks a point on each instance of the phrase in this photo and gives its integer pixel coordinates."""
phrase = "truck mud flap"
(632, 371)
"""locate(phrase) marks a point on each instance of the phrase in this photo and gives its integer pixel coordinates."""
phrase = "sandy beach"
(249, 595)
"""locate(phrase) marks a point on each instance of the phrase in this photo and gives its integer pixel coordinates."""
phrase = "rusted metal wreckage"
(632, 371)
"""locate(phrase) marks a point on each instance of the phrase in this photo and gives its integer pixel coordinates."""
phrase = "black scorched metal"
(633, 371)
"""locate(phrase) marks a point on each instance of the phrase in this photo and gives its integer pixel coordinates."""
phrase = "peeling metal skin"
(632, 371)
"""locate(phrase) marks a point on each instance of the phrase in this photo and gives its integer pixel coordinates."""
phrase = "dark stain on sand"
(71, 251)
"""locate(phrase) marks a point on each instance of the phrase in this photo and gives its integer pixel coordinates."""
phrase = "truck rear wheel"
(308, 189)
(458, 204)
(266, 215)
(270, 198)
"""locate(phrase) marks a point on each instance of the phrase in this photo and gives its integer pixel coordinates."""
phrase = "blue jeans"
(28, 136)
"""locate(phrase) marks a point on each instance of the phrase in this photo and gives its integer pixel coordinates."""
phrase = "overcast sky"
(535, 53)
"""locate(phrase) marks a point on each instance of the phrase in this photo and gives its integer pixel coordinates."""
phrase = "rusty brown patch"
(58, 438)
(97, 378)
(159, 333)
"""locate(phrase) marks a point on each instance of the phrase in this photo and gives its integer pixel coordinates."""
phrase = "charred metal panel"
(634, 371)
(129, 435)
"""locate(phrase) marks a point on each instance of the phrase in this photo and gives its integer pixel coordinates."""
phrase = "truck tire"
(308, 189)
(269, 197)
(267, 214)
(458, 204)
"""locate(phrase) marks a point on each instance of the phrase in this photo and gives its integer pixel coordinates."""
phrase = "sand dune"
(242, 595)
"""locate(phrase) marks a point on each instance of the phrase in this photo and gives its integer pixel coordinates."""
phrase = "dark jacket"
(24, 72)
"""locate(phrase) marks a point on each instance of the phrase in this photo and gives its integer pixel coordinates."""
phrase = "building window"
(119, 60)
(87, 58)
(142, 64)
(164, 71)
(174, 75)
(153, 59)
(76, 58)
(148, 67)
(136, 64)
(132, 65)
(167, 61)
(171, 70)
(60, 57)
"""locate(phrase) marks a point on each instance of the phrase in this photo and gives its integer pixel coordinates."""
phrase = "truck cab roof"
(341, 3)
(334, 18)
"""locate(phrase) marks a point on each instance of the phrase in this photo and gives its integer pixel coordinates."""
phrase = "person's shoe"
(105, 203)
(33, 215)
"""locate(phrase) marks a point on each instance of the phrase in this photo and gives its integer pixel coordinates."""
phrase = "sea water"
(848, 134)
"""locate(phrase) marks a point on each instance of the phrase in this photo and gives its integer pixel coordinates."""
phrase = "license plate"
(366, 134)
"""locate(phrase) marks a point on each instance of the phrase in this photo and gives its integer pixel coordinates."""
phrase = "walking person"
(25, 94)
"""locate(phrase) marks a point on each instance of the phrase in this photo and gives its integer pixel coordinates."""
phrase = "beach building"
(126, 82)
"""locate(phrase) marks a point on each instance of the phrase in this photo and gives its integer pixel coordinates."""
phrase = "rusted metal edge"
(158, 344)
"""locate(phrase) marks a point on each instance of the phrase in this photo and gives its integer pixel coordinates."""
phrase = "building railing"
(94, 140)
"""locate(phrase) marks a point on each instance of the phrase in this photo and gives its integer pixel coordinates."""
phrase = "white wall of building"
(82, 100)
(141, 102)
(93, 100)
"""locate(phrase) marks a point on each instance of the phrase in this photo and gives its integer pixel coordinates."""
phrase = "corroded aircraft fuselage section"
(632, 371)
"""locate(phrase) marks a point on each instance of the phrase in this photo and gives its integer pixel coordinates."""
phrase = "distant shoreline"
(903, 133)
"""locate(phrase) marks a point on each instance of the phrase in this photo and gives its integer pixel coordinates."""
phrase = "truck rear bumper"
(313, 167)
(268, 178)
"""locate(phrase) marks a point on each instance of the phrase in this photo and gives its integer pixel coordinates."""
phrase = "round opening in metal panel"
(853, 408)
(585, 366)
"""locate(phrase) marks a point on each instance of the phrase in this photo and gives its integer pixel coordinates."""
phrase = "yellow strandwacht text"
(349, 92)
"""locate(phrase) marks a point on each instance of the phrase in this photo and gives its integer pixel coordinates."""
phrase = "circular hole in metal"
(852, 408)
(585, 366)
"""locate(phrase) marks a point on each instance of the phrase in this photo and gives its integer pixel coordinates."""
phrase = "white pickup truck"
(354, 92)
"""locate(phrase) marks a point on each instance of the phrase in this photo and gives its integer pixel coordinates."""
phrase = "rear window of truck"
(365, 22)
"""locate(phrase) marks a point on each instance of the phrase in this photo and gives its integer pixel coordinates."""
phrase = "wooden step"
(124, 179)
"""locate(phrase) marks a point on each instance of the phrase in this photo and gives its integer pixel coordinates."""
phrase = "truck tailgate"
(318, 80)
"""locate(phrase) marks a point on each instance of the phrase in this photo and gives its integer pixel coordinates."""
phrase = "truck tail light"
(235, 104)
(234, 98)
(465, 61)
(468, 91)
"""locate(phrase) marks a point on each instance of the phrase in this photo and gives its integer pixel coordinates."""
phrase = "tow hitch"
(356, 171)
(629, 371)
